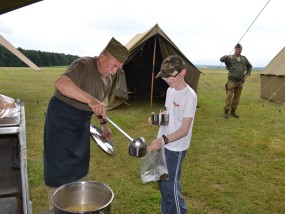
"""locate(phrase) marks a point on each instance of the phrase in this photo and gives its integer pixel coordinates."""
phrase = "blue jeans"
(172, 201)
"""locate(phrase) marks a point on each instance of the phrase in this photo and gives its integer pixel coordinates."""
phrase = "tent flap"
(9, 5)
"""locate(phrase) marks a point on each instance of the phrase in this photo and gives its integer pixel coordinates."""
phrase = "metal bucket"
(83, 197)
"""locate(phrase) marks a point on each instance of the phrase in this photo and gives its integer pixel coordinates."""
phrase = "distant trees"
(40, 58)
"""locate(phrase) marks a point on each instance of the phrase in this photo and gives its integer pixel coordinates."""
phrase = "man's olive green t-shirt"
(85, 74)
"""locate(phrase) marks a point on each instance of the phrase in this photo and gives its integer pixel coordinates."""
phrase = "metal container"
(160, 119)
(138, 147)
(83, 197)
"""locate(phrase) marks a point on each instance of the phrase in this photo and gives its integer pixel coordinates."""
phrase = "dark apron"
(66, 143)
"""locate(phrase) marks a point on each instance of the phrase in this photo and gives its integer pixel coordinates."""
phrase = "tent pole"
(152, 75)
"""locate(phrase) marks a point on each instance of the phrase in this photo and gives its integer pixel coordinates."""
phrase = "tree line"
(40, 58)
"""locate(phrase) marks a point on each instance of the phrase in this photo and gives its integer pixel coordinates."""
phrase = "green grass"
(233, 166)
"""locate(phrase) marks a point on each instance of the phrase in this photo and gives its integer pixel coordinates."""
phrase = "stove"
(14, 185)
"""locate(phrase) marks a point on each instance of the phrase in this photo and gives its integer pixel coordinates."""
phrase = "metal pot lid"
(98, 137)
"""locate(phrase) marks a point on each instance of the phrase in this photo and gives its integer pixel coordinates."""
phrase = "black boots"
(234, 114)
(226, 114)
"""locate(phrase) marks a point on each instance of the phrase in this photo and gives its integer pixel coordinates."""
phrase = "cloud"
(203, 30)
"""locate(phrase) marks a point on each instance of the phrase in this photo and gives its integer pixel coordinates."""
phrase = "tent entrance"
(147, 52)
(139, 68)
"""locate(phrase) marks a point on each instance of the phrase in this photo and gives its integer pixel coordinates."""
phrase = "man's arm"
(248, 66)
(69, 89)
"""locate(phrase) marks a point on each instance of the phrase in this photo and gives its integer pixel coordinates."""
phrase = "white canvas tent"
(273, 79)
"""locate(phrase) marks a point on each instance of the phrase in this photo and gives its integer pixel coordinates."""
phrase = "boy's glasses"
(170, 77)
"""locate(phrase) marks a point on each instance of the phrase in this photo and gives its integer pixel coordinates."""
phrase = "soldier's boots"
(226, 114)
(234, 114)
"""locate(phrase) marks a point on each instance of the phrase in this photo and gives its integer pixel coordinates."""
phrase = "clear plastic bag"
(8, 107)
(153, 166)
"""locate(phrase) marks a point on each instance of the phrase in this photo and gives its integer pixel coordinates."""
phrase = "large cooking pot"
(83, 197)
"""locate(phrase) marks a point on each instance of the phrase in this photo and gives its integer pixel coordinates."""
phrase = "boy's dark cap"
(117, 50)
(169, 65)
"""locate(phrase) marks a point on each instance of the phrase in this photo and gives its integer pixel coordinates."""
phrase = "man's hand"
(244, 77)
(228, 57)
(107, 132)
(98, 108)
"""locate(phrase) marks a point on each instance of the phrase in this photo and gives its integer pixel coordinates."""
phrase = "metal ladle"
(138, 147)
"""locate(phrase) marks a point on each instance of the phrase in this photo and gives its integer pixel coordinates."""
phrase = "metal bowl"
(87, 196)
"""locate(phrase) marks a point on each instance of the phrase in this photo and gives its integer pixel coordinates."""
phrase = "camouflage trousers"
(233, 90)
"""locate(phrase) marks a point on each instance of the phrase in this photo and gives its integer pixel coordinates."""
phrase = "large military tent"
(147, 51)
(273, 79)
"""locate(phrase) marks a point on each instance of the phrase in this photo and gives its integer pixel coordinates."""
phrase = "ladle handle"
(122, 131)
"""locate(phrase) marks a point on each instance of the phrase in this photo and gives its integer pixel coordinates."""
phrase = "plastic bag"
(153, 166)
(8, 107)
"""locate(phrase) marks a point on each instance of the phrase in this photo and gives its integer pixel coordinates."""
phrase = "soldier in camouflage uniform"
(239, 69)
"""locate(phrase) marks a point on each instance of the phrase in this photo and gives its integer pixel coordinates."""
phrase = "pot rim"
(82, 183)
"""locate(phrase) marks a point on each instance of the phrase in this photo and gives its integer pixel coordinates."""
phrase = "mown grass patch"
(233, 166)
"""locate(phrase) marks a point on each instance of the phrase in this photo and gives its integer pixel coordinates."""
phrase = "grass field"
(233, 166)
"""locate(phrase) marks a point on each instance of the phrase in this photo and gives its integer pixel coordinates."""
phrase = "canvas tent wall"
(147, 51)
(9, 5)
(273, 79)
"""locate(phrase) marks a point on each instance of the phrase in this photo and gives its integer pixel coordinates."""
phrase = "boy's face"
(174, 79)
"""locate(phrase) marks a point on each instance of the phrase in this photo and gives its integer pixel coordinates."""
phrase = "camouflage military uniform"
(238, 68)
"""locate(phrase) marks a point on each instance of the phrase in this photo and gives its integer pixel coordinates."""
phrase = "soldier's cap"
(169, 65)
(238, 45)
(117, 50)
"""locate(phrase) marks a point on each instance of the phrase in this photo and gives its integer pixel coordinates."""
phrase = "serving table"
(14, 183)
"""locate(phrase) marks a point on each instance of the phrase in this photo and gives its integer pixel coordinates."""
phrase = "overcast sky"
(203, 30)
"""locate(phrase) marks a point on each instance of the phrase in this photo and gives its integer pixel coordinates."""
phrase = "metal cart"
(14, 184)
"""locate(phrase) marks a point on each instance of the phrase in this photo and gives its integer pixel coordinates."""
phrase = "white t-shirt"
(179, 104)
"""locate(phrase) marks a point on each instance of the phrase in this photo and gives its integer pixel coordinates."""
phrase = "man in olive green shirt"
(239, 69)
(79, 93)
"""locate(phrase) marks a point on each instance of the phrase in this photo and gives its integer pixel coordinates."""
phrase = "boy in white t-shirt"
(181, 102)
